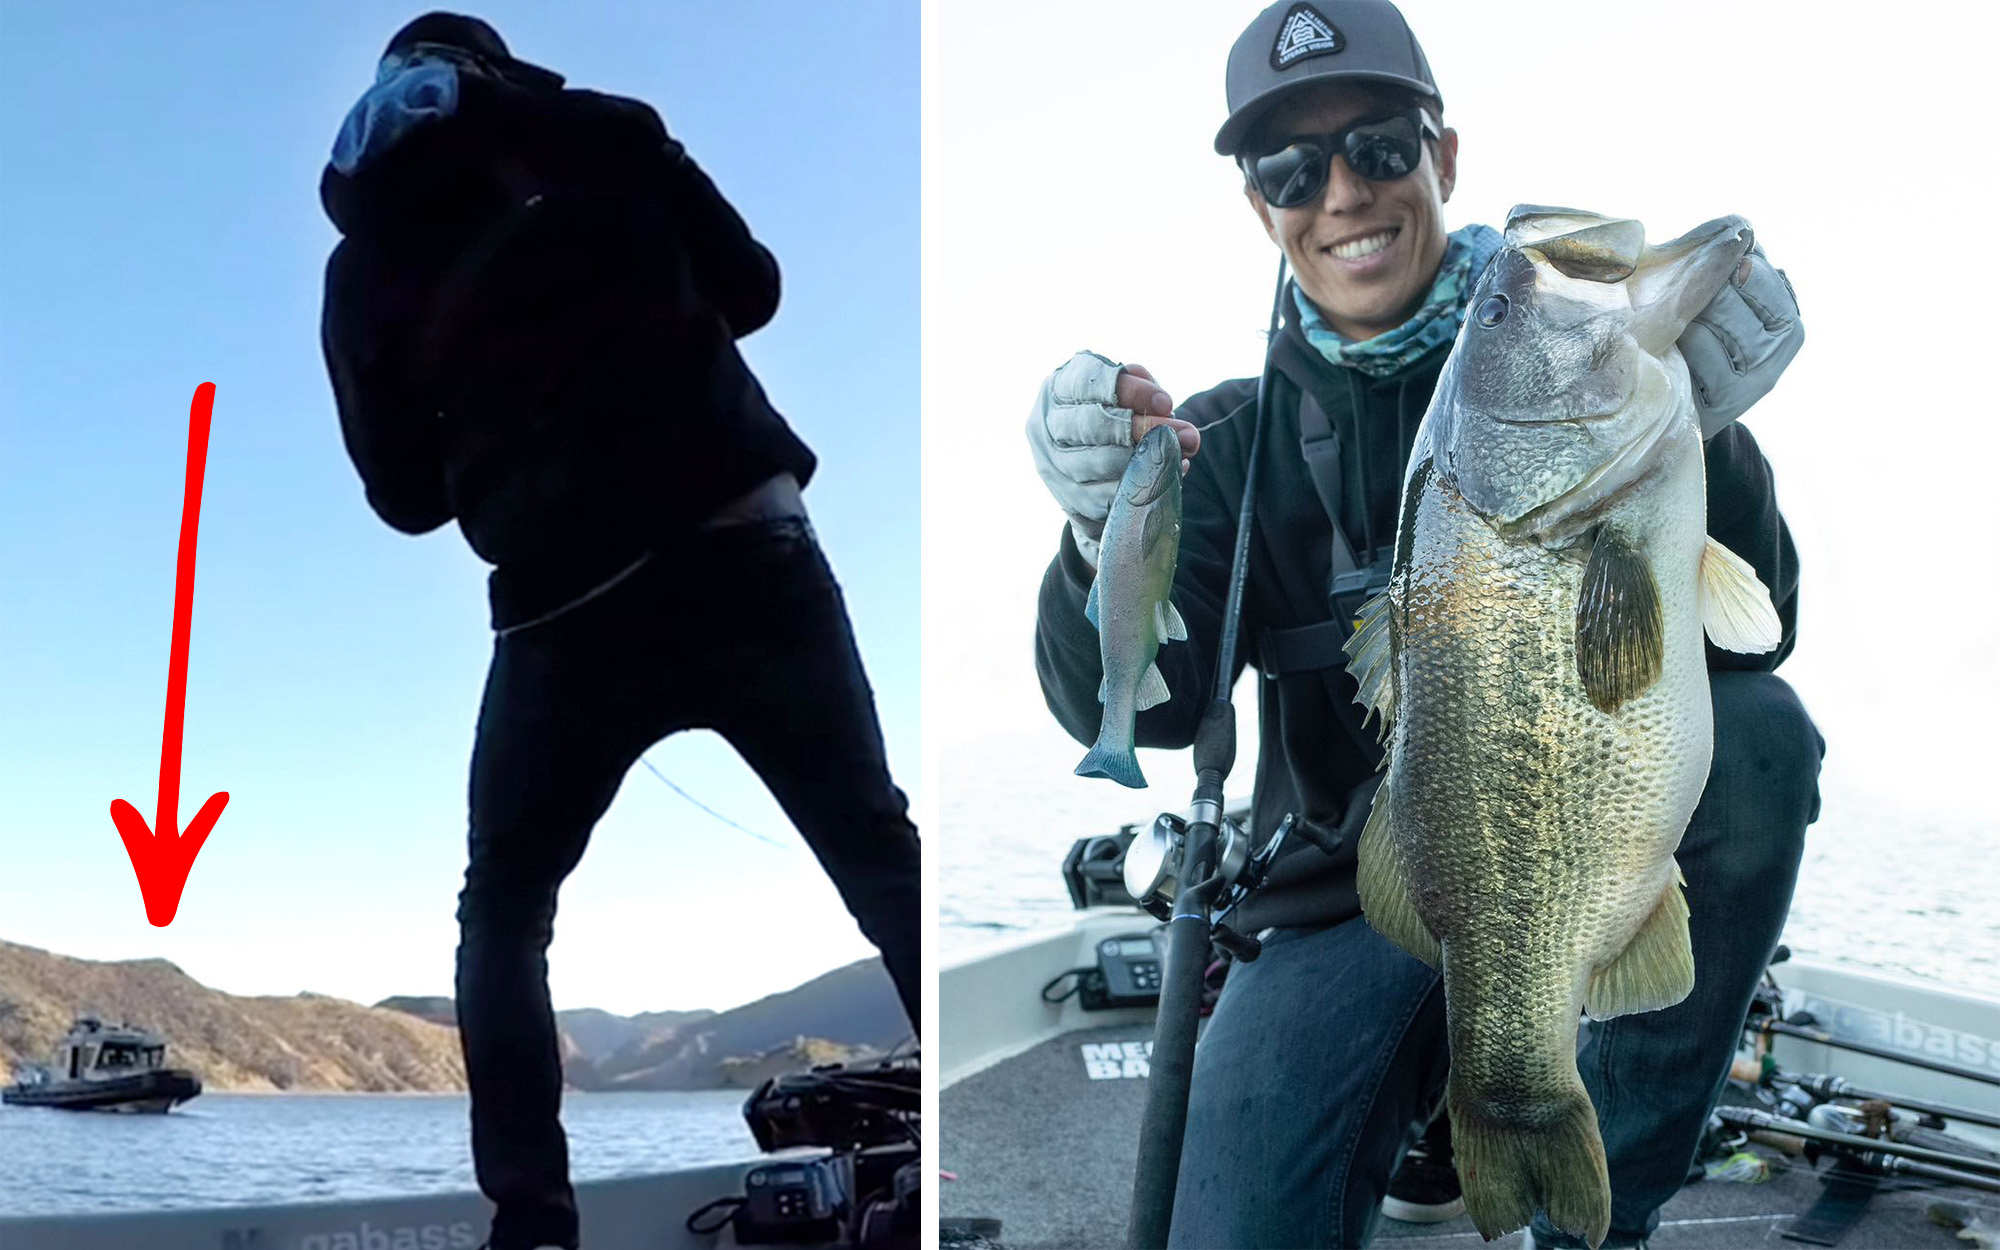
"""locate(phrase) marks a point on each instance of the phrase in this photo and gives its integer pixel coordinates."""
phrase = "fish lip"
(1587, 419)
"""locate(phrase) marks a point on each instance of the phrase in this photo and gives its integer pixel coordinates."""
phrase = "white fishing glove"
(1738, 345)
(1082, 442)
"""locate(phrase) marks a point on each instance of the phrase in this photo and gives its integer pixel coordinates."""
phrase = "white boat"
(1040, 1101)
(100, 1067)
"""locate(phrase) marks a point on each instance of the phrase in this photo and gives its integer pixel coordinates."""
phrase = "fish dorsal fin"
(1152, 689)
(1383, 881)
(1090, 608)
(1620, 638)
(1172, 627)
(1735, 606)
(1368, 651)
(1655, 970)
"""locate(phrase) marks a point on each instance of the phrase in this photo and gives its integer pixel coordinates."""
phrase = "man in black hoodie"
(530, 325)
(1325, 1058)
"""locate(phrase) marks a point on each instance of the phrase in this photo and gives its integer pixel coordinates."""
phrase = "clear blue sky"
(160, 227)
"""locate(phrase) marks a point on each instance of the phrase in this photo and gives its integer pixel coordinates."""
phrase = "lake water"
(224, 1149)
(1882, 887)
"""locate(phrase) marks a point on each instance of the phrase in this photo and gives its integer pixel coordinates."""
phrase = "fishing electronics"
(1130, 965)
(1094, 871)
(865, 1194)
(838, 1106)
(788, 1203)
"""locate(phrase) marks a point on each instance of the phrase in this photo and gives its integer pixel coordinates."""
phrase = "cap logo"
(1305, 33)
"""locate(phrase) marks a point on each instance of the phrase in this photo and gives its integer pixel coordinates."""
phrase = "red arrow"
(162, 861)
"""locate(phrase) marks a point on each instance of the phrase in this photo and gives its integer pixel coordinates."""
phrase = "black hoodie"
(530, 327)
(1317, 759)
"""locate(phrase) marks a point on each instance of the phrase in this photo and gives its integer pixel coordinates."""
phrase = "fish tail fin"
(1507, 1170)
(1121, 766)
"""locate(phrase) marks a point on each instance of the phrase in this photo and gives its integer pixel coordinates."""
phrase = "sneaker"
(1425, 1188)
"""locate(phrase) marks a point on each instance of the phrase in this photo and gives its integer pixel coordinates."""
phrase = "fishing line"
(711, 811)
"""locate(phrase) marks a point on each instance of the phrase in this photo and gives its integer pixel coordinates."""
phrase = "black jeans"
(741, 630)
(1326, 1057)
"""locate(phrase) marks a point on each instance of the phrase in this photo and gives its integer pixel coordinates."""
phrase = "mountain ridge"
(313, 1042)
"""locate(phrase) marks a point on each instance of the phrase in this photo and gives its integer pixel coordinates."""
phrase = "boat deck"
(1048, 1151)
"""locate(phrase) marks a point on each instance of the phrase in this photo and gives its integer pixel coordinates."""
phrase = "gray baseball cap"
(1297, 44)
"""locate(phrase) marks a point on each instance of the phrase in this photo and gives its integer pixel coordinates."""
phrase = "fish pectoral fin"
(1368, 651)
(1384, 885)
(1104, 689)
(1620, 638)
(1152, 689)
(1172, 627)
(1735, 606)
(1090, 608)
(1655, 970)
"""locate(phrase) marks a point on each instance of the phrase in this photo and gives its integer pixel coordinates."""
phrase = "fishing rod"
(1826, 1086)
(1878, 1153)
(1786, 1028)
(1191, 863)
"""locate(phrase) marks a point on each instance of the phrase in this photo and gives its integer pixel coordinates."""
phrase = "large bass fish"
(1537, 662)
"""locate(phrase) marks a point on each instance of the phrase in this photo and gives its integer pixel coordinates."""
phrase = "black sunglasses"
(1380, 149)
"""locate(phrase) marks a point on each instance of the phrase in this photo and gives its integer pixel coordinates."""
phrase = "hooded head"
(452, 30)
(417, 83)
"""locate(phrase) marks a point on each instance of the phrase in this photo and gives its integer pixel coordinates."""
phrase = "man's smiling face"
(1365, 252)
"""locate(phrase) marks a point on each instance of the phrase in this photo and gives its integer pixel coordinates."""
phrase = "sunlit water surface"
(1880, 888)
(226, 1149)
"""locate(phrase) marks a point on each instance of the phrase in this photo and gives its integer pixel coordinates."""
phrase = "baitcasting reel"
(1154, 865)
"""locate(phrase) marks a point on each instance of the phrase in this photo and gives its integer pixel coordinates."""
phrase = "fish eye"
(1492, 310)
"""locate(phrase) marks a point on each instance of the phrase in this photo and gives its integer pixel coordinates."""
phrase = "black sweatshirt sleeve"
(1743, 516)
(1067, 658)
(735, 273)
(391, 434)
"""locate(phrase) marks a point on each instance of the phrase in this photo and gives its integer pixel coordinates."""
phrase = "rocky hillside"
(599, 1034)
(308, 1042)
(850, 1013)
(315, 1043)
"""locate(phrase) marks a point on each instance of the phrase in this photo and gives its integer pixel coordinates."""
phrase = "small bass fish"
(1128, 601)
(1537, 662)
